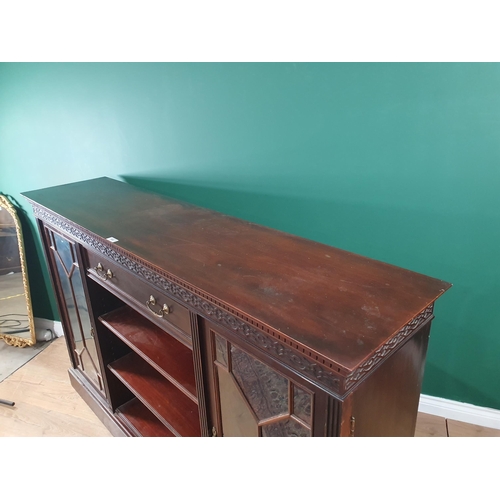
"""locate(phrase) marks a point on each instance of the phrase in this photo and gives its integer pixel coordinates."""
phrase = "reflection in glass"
(65, 282)
(16, 316)
(255, 400)
(220, 350)
(70, 279)
(64, 250)
(265, 390)
(285, 428)
(237, 418)
(302, 404)
(81, 303)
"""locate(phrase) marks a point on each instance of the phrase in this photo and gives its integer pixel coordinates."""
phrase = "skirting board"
(463, 412)
(446, 408)
(42, 325)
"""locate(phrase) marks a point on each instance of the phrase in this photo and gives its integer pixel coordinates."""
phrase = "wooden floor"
(45, 402)
(47, 405)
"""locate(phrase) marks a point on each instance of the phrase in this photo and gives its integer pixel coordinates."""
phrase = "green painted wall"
(399, 162)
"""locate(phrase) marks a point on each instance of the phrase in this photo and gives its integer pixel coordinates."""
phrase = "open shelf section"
(172, 407)
(137, 417)
(169, 356)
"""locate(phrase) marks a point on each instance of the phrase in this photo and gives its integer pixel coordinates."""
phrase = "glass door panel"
(256, 400)
(78, 325)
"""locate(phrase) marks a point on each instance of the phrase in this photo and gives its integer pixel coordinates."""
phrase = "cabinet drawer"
(141, 295)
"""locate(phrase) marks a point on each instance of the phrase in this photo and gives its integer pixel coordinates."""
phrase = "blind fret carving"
(332, 377)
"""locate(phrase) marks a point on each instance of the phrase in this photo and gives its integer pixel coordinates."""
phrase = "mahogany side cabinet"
(182, 321)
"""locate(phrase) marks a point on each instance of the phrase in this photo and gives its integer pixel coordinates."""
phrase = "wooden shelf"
(137, 417)
(169, 356)
(171, 406)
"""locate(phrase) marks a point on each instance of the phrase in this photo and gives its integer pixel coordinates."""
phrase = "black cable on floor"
(15, 326)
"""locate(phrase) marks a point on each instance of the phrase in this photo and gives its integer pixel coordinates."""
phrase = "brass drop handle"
(104, 275)
(161, 312)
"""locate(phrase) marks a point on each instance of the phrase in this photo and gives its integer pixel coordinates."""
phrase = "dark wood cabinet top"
(336, 303)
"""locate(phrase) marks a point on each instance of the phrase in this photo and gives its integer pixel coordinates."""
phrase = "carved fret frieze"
(388, 347)
(322, 370)
(284, 353)
(276, 348)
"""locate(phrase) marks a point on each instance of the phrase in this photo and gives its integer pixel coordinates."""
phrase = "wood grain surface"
(45, 402)
(336, 303)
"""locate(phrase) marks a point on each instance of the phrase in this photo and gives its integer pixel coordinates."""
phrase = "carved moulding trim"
(274, 343)
(324, 372)
(382, 352)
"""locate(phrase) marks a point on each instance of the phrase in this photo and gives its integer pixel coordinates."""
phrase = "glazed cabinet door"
(252, 396)
(66, 271)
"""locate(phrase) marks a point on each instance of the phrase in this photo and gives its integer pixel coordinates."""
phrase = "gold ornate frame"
(14, 340)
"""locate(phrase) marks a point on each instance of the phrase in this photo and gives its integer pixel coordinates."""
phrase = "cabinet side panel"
(386, 404)
(342, 423)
